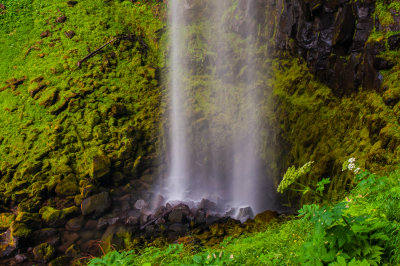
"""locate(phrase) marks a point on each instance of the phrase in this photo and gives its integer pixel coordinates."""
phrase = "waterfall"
(214, 140)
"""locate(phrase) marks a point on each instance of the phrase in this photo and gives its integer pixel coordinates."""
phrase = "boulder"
(96, 204)
(44, 252)
(100, 166)
(75, 224)
(179, 213)
(47, 235)
(266, 217)
(68, 186)
(8, 244)
(57, 218)
(245, 213)
(140, 204)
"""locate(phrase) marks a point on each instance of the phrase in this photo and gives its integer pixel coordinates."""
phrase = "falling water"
(215, 104)
(176, 186)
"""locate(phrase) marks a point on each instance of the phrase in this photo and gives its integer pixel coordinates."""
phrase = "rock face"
(332, 36)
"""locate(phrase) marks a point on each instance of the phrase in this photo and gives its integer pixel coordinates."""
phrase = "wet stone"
(96, 204)
(75, 224)
(140, 204)
(245, 213)
(20, 258)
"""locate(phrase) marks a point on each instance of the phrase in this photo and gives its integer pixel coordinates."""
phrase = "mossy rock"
(6, 220)
(60, 261)
(20, 230)
(96, 204)
(44, 252)
(100, 166)
(56, 218)
(32, 220)
(68, 186)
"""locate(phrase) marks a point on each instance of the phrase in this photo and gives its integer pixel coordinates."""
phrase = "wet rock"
(46, 235)
(117, 235)
(132, 218)
(245, 213)
(61, 19)
(179, 213)
(72, 3)
(69, 34)
(212, 219)
(43, 252)
(75, 224)
(208, 205)
(20, 258)
(178, 228)
(96, 204)
(60, 261)
(68, 238)
(57, 218)
(105, 221)
(8, 244)
(394, 42)
(382, 64)
(200, 216)
(140, 204)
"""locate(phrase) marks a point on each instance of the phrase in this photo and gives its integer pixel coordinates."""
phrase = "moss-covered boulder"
(96, 204)
(68, 186)
(100, 166)
(56, 218)
(44, 252)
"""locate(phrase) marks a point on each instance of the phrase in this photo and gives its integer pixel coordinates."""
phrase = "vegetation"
(362, 229)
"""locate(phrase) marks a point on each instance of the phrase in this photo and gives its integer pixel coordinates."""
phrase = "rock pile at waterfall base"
(71, 235)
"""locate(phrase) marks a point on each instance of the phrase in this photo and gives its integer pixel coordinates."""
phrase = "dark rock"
(20, 258)
(394, 42)
(47, 235)
(96, 204)
(212, 219)
(61, 19)
(178, 228)
(61, 261)
(72, 3)
(105, 221)
(45, 34)
(75, 224)
(132, 218)
(179, 213)
(208, 205)
(91, 224)
(8, 244)
(140, 204)
(69, 34)
(43, 252)
(382, 64)
(200, 216)
(68, 238)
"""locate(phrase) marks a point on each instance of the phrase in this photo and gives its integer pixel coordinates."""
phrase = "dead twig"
(125, 37)
(96, 51)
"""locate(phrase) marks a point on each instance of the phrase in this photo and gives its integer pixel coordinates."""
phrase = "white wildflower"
(352, 160)
(357, 170)
(352, 166)
(231, 256)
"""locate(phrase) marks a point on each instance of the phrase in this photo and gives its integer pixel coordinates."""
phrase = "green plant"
(114, 258)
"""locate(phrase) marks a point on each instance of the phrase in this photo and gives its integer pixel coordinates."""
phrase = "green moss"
(55, 218)
(54, 112)
(328, 130)
(5, 220)
(44, 252)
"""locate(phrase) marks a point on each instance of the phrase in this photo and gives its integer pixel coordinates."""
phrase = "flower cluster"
(351, 166)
